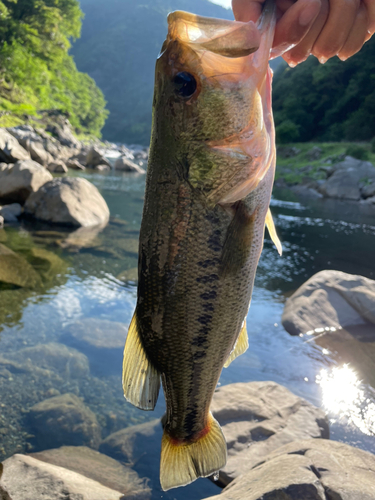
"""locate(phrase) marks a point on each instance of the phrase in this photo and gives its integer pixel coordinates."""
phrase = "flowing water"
(87, 277)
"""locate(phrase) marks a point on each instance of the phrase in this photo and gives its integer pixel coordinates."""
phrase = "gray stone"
(287, 151)
(24, 134)
(95, 157)
(306, 191)
(10, 149)
(103, 168)
(63, 420)
(315, 153)
(71, 201)
(74, 164)
(64, 134)
(99, 467)
(10, 213)
(368, 190)
(16, 271)
(26, 478)
(348, 179)
(125, 165)
(17, 182)
(59, 358)
(259, 417)
(1, 221)
(58, 167)
(330, 299)
(314, 469)
(38, 153)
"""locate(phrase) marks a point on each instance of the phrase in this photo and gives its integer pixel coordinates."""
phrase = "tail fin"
(183, 463)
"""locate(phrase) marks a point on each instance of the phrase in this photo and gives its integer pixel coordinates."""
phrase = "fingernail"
(309, 13)
(322, 59)
(342, 58)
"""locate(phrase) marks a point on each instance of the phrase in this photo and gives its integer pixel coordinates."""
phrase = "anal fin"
(272, 230)
(183, 462)
(140, 380)
(241, 345)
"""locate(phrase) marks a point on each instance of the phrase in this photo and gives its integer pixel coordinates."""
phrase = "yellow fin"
(140, 380)
(241, 346)
(183, 463)
(272, 230)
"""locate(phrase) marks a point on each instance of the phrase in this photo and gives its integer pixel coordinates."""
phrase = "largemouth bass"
(208, 188)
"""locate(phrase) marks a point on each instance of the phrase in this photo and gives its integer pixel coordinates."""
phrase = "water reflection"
(345, 397)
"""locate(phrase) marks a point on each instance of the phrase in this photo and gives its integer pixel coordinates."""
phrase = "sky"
(223, 3)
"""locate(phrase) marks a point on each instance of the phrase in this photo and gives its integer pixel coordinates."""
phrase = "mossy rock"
(16, 271)
(46, 263)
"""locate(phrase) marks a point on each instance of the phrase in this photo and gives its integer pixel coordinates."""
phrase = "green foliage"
(330, 102)
(36, 71)
(287, 131)
(357, 151)
(119, 45)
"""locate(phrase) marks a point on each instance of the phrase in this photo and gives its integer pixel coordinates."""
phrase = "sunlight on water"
(345, 397)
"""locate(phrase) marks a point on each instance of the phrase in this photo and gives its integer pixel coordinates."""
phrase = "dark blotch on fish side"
(209, 295)
(207, 279)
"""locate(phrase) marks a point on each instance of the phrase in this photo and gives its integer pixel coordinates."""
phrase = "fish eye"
(185, 84)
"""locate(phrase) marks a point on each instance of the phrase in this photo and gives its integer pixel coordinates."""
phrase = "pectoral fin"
(272, 230)
(140, 380)
(241, 346)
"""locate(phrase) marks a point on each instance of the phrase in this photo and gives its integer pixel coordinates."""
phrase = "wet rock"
(103, 168)
(16, 271)
(138, 444)
(63, 420)
(125, 165)
(75, 165)
(57, 167)
(314, 469)
(27, 478)
(100, 467)
(10, 213)
(101, 340)
(83, 237)
(368, 190)
(95, 157)
(257, 418)
(330, 299)
(315, 153)
(17, 182)
(129, 275)
(128, 245)
(46, 263)
(348, 179)
(72, 201)
(59, 358)
(10, 149)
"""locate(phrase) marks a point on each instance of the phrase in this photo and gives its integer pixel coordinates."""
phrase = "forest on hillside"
(36, 71)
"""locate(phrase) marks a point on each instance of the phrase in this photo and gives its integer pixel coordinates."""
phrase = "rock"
(27, 478)
(348, 179)
(101, 340)
(71, 201)
(96, 157)
(63, 420)
(10, 213)
(38, 153)
(55, 357)
(16, 271)
(287, 151)
(11, 150)
(368, 190)
(315, 153)
(257, 418)
(75, 165)
(129, 275)
(370, 201)
(99, 467)
(57, 166)
(32, 142)
(314, 469)
(137, 444)
(19, 181)
(125, 165)
(64, 134)
(1, 221)
(305, 191)
(103, 168)
(330, 299)
(46, 263)
(83, 237)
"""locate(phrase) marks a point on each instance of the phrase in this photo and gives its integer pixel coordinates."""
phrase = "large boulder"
(125, 165)
(64, 134)
(259, 417)
(26, 478)
(63, 420)
(10, 149)
(99, 467)
(331, 300)
(70, 201)
(349, 177)
(95, 157)
(18, 181)
(313, 469)
(11, 212)
(58, 167)
(256, 418)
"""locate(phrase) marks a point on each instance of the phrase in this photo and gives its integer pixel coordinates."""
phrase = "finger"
(357, 36)
(295, 24)
(303, 49)
(247, 10)
(370, 5)
(342, 14)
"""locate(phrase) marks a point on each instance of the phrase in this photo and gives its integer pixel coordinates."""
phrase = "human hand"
(324, 28)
